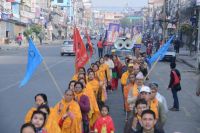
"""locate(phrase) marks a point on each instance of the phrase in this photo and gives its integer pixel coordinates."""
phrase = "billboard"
(15, 10)
(113, 33)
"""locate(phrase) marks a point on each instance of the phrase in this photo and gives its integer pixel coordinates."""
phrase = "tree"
(34, 29)
(189, 34)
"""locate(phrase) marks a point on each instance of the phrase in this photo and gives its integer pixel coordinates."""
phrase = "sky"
(119, 3)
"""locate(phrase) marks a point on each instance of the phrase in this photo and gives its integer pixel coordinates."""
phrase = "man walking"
(19, 39)
(174, 85)
(100, 47)
(177, 45)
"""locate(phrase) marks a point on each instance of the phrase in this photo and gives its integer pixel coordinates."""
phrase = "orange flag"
(90, 44)
(80, 50)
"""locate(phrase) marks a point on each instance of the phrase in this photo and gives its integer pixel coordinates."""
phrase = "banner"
(80, 50)
(113, 33)
(34, 60)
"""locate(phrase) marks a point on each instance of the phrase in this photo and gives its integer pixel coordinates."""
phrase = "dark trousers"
(100, 51)
(175, 97)
(86, 126)
(177, 49)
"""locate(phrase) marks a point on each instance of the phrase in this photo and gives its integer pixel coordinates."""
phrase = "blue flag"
(161, 52)
(34, 59)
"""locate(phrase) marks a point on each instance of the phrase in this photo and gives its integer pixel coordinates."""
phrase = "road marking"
(17, 83)
(187, 113)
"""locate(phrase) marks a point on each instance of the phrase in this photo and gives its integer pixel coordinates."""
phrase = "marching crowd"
(83, 107)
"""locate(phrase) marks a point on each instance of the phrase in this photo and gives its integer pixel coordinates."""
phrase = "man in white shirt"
(109, 62)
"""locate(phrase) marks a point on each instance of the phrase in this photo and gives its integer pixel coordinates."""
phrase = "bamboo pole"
(53, 79)
(152, 68)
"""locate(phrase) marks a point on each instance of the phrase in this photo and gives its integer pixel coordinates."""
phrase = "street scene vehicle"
(170, 55)
(67, 48)
(123, 47)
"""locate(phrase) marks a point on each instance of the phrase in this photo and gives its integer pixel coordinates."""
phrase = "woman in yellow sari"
(40, 99)
(68, 114)
(94, 113)
(93, 83)
(81, 70)
(84, 103)
(51, 125)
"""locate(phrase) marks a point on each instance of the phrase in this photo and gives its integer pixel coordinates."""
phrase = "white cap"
(145, 89)
(140, 76)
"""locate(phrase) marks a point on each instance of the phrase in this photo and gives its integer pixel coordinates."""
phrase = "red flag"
(80, 50)
(90, 44)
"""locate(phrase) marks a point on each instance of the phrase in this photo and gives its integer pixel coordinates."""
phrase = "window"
(60, 1)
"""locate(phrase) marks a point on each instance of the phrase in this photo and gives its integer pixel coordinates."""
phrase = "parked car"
(67, 48)
(170, 54)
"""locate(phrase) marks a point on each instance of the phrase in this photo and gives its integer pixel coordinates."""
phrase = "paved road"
(16, 101)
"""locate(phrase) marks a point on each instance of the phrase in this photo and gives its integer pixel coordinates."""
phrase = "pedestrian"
(158, 108)
(93, 82)
(41, 37)
(116, 72)
(71, 85)
(38, 119)
(154, 88)
(109, 62)
(105, 46)
(40, 99)
(68, 114)
(130, 103)
(126, 74)
(134, 123)
(177, 45)
(94, 110)
(84, 103)
(51, 125)
(174, 85)
(198, 86)
(19, 39)
(148, 122)
(100, 48)
(105, 123)
(28, 128)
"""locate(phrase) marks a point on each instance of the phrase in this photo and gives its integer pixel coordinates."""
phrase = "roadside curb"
(8, 47)
(186, 62)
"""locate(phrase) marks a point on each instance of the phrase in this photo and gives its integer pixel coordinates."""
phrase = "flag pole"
(152, 68)
(52, 78)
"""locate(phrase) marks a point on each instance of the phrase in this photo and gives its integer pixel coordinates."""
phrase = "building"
(11, 23)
